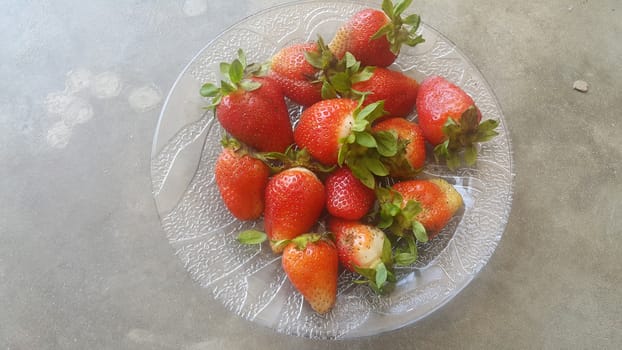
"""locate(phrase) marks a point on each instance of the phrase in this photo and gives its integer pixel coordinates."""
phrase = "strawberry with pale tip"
(421, 206)
(364, 249)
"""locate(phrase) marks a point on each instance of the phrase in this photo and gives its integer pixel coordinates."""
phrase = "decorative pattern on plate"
(249, 280)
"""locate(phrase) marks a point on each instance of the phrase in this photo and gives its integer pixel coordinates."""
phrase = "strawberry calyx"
(278, 161)
(362, 149)
(337, 75)
(379, 277)
(238, 147)
(401, 221)
(254, 237)
(302, 241)
(292, 158)
(398, 165)
(399, 30)
(397, 217)
(237, 76)
(463, 135)
(406, 251)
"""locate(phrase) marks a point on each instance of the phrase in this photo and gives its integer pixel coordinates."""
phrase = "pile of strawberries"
(352, 158)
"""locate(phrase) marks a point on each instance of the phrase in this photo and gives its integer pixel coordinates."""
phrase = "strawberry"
(241, 180)
(363, 249)
(338, 131)
(346, 196)
(251, 109)
(346, 77)
(411, 158)
(426, 206)
(295, 200)
(311, 265)
(295, 75)
(398, 90)
(375, 37)
(451, 122)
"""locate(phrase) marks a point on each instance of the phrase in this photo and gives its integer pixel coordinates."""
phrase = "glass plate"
(249, 280)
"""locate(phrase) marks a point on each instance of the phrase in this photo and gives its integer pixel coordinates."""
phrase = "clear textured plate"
(249, 280)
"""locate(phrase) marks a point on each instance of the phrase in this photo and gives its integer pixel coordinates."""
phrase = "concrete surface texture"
(83, 260)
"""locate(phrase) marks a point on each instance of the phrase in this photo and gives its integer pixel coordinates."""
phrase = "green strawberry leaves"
(380, 278)
(236, 77)
(362, 150)
(292, 158)
(406, 255)
(400, 30)
(337, 75)
(398, 217)
(338, 81)
(251, 237)
(463, 134)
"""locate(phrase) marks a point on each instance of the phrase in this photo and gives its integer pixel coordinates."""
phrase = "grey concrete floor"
(83, 260)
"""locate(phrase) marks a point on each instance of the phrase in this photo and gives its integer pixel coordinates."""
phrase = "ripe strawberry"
(451, 121)
(375, 37)
(398, 91)
(346, 196)
(251, 109)
(312, 266)
(294, 199)
(295, 75)
(346, 77)
(363, 249)
(241, 180)
(430, 202)
(338, 131)
(411, 157)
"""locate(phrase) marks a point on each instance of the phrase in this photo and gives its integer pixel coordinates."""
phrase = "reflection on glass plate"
(249, 280)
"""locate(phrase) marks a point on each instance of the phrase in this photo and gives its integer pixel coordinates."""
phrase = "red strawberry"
(346, 196)
(438, 201)
(338, 131)
(294, 199)
(252, 109)
(374, 37)
(411, 160)
(398, 91)
(451, 121)
(312, 266)
(348, 78)
(241, 180)
(363, 249)
(295, 75)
